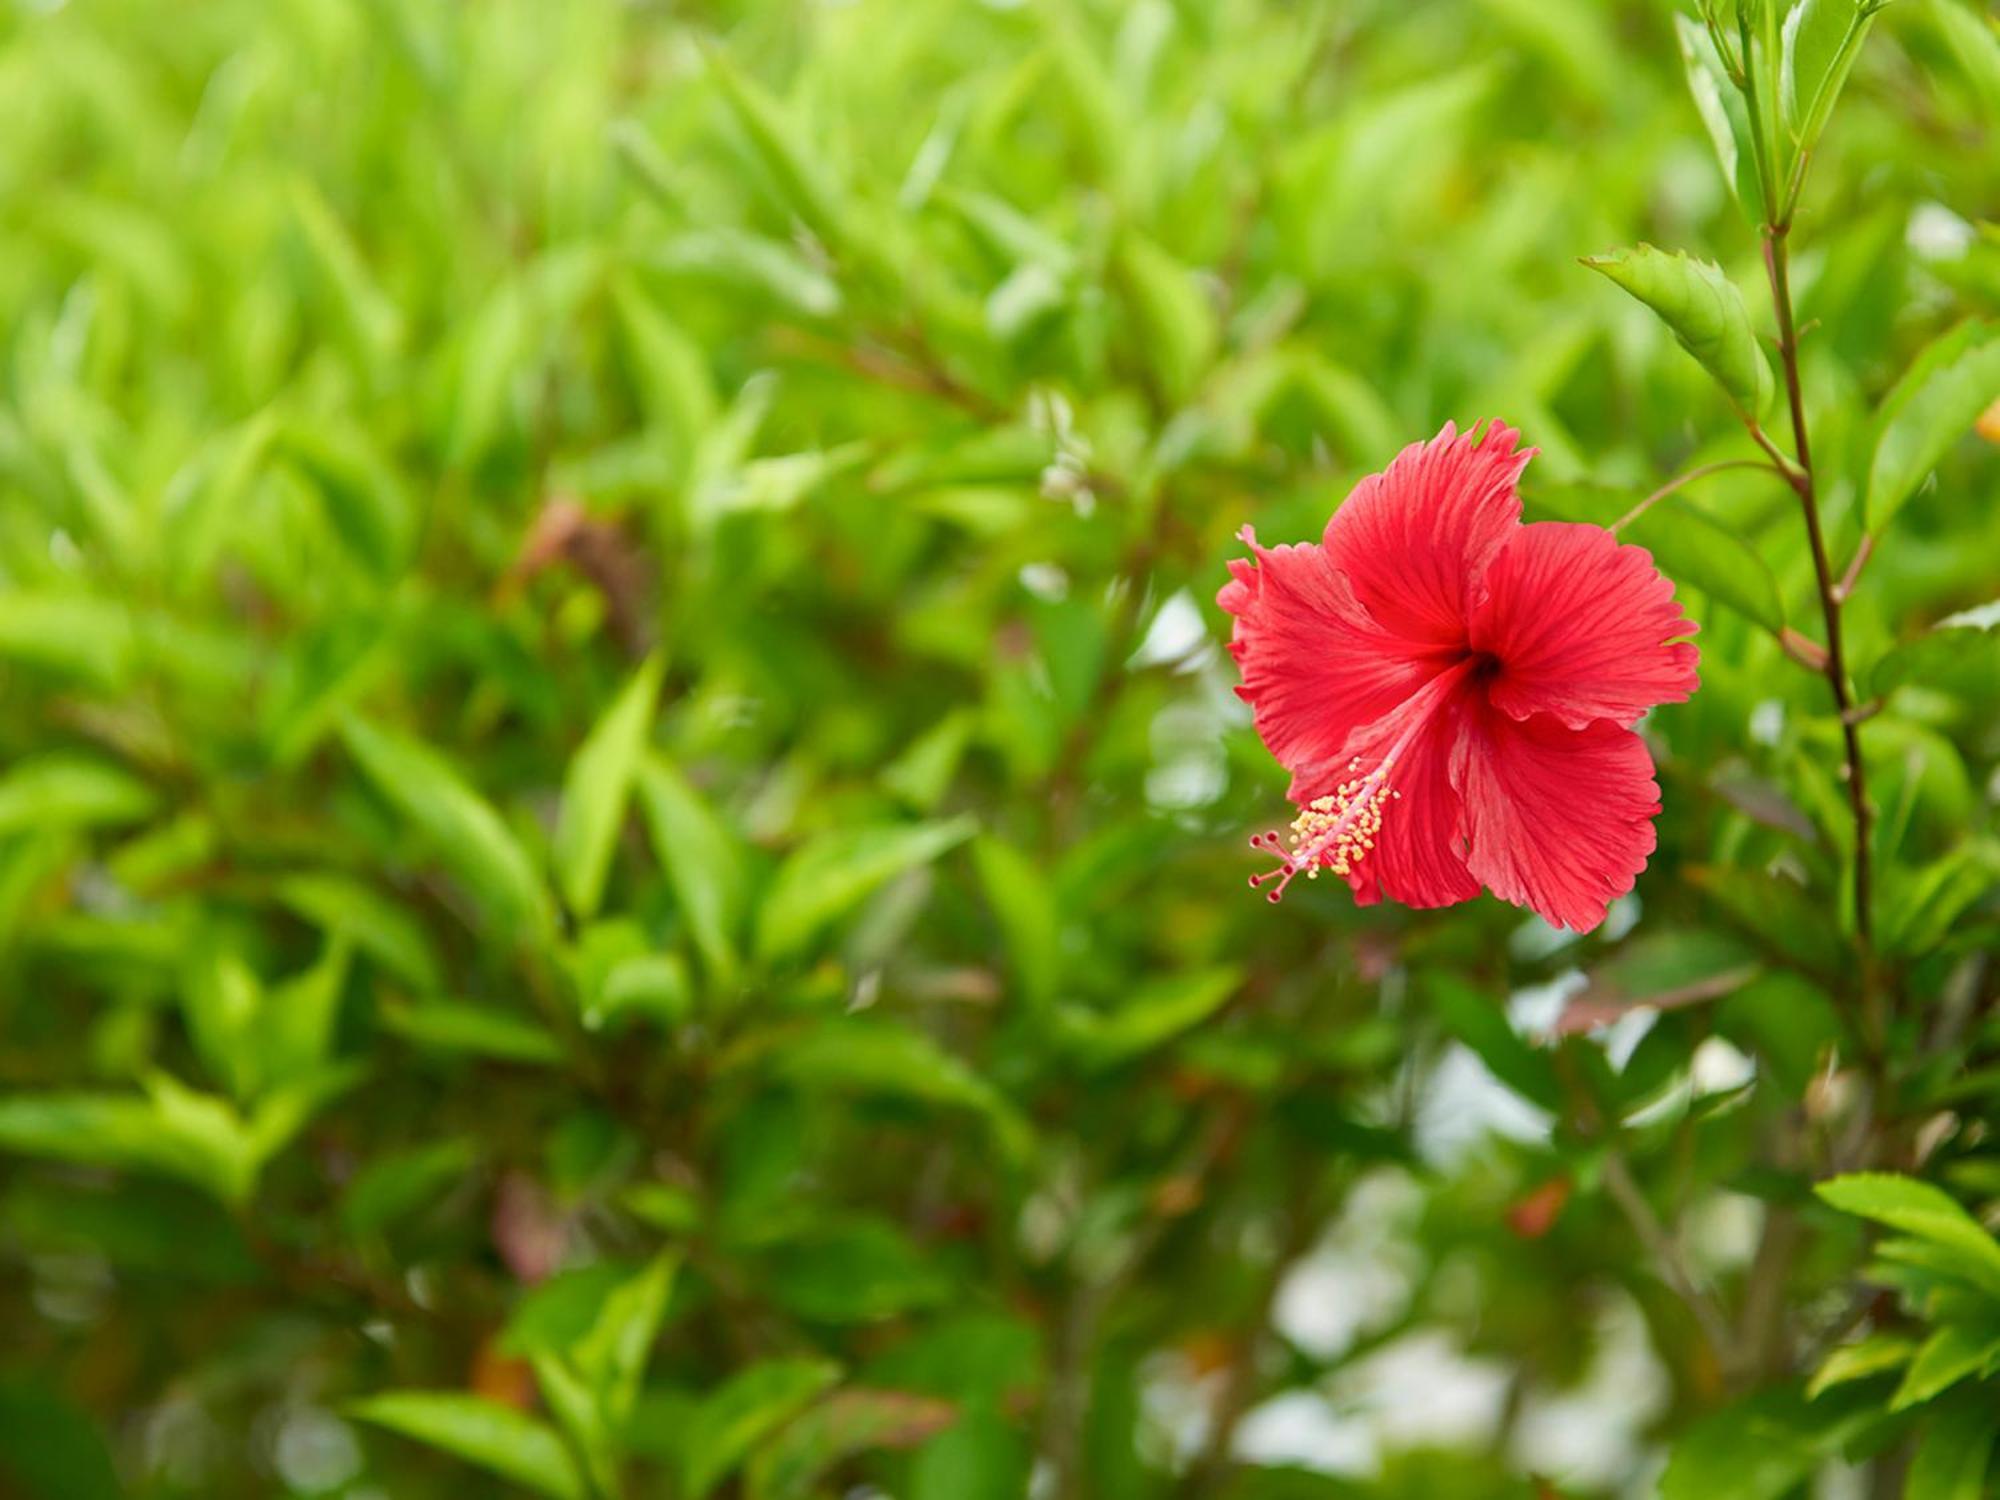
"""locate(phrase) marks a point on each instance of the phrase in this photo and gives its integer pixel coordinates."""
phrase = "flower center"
(1336, 831)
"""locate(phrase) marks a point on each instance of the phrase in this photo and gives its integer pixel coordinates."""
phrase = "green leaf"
(496, 348)
(1975, 41)
(76, 635)
(854, 1271)
(596, 789)
(1953, 1453)
(663, 1206)
(1025, 906)
(704, 862)
(49, 1448)
(64, 790)
(1176, 323)
(476, 1030)
(1723, 113)
(581, 1417)
(171, 1130)
(669, 368)
(802, 181)
(884, 1059)
(227, 470)
(494, 1437)
(1690, 546)
(612, 1356)
(922, 774)
(1947, 1357)
(1705, 313)
(1155, 1012)
(1821, 40)
(1875, 1355)
(371, 321)
(460, 826)
(847, 1423)
(1764, 1446)
(1693, 548)
(838, 870)
(299, 1015)
(222, 1000)
(981, 1458)
(109, 1130)
(403, 1183)
(375, 925)
(1961, 654)
(1932, 407)
(1920, 1209)
(743, 262)
(1788, 1020)
(360, 493)
(1663, 969)
(733, 1420)
(1919, 907)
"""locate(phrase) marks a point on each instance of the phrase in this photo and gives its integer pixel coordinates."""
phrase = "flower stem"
(1777, 265)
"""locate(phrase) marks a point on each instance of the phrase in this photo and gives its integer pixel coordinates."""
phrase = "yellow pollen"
(1334, 832)
(1337, 830)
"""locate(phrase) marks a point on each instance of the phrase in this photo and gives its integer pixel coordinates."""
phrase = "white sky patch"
(1719, 1066)
(1767, 721)
(1425, 1391)
(1463, 1103)
(1190, 766)
(1591, 1436)
(1045, 581)
(1177, 634)
(1301, 1429)
(1534, 1009)
(1535, 939)
(1359, 1276)
(1723, 1229)
(1936, 233)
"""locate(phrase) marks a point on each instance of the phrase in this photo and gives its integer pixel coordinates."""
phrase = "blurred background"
(623, 829)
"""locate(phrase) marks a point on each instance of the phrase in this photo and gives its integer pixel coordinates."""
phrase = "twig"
(1686, 479)
(1862, 553)
(1211, 1466)
(1804, 650)
(1665, 1252)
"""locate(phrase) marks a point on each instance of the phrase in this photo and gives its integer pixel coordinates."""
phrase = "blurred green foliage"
(621, 840)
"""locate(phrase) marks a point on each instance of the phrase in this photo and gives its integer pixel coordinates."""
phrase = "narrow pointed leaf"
(1934, 405)
(497, 1438)
(598, 788)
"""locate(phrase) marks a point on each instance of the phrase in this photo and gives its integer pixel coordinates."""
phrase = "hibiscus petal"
(1416, 537)
(1419, 851)
(1560, 820)
(1581, 627)
(1315, 666)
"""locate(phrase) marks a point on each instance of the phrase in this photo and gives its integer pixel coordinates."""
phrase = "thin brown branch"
(1777, 265)
(1666, 1253)
(1804, 650)
(1682, 480)
(1862, 553)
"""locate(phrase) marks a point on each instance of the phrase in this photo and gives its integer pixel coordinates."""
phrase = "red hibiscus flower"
(1454, 692)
